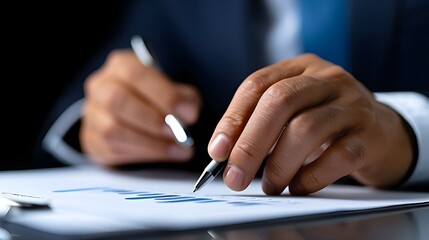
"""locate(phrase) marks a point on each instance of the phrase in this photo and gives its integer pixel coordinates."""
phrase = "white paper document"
(89, 200)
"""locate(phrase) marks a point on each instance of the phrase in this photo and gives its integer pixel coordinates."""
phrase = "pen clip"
(181, 134)
(141, 50)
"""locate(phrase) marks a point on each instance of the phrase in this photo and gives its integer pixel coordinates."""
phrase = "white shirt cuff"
(54, 143)
(414, 108)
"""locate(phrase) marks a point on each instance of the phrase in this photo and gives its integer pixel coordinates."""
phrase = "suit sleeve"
(58, 141)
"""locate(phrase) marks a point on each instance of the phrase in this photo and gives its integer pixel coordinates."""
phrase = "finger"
(125, 106)
(192, 96)
(343, 156)
(302, 137)
(123, 152)
(153, 85)
(112, 143)
(274, 110)
(243, 103)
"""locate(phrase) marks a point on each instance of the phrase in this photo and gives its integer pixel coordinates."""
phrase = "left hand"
(317, 123)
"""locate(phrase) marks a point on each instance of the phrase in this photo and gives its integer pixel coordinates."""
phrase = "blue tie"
(325, 29)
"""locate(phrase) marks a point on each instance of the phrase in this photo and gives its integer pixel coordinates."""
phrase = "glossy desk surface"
(405, 224)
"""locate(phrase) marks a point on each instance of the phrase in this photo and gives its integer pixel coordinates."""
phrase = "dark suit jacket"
(215, 44)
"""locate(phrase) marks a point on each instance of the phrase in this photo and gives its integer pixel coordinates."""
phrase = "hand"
(125, 106)
(316, 123)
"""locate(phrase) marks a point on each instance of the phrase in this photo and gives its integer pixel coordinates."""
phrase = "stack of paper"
(89, 200)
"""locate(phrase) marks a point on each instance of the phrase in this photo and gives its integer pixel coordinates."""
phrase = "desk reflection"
(409, 224)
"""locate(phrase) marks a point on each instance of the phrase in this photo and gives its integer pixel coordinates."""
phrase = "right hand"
(123, 115)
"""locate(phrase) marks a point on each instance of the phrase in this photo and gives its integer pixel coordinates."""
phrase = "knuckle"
(115, 56)
(246, 148)
(91, 82)
(307, 124)
(276, 171)
(108, 131)
(352, 154)
(365, 107)
(280, 95)
(337, 72)
(232, 121)
(113, 99)
(130, 74)
(304, 125)
(310, 57)
(126, 68)
(275, 93)
(255, 83)
(172, 99)
(275, 101)
(310, 181)
(336, 69)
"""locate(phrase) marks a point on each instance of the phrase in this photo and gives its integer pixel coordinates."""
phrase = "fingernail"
(219, 147)
(234, 178)
(186, 112)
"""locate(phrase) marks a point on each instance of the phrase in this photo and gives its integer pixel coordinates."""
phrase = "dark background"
(44, 46)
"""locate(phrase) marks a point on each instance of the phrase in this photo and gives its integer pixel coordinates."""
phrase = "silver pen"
(209, 173)
(180, 133)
